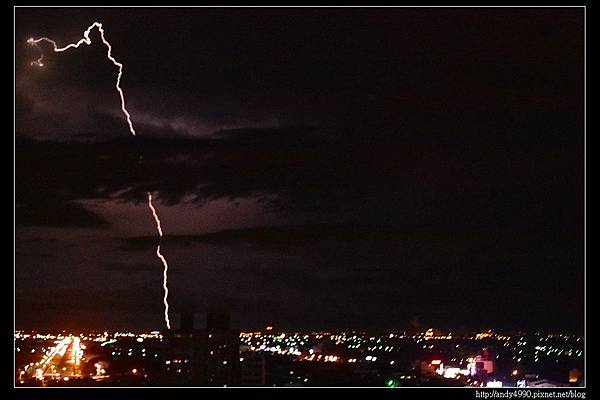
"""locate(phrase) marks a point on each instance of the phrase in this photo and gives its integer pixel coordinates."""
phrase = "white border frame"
(316, 387)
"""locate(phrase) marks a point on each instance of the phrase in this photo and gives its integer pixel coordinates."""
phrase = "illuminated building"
(494, 384)
(484, 363)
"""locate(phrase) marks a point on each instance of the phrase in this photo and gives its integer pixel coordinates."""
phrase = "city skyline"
(218, 355)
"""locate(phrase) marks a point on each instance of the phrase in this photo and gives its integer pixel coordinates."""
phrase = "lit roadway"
(61, 361)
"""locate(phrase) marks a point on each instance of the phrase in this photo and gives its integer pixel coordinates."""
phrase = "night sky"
(313, 168)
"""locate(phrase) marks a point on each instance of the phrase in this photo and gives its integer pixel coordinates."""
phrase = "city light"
(392, 383)
(64, 356)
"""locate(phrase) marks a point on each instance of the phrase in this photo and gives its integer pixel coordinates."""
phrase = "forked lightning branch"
(86, 40)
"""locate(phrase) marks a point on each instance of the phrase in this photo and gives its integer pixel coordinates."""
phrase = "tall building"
(221, 364)
(201, 357)
(252, 367)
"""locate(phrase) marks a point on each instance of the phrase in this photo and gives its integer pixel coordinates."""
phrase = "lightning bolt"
(164, 261)
(86, 39)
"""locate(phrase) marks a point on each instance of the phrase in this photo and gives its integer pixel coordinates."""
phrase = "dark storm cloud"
(353, 69)
(458, 221)
(91, 299)
(68, 215)
(34, 254)
(130, 268)
(385, 272)
(443, 147)
(513, 182)
(275, 238)
(230, 166)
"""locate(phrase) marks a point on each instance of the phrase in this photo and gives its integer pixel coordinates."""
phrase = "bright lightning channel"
(86, 39)
(160, 256)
